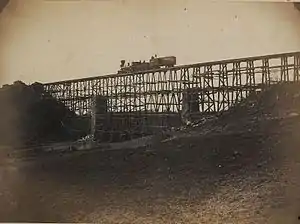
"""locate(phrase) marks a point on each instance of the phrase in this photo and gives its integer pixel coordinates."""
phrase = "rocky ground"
(242, 167)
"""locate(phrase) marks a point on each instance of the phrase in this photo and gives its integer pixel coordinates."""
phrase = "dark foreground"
(236, 178)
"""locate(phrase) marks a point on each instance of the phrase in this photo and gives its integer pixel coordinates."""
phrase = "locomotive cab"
(167, 62)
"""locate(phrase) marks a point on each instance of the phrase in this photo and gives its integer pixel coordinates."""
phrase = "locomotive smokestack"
(122, 63)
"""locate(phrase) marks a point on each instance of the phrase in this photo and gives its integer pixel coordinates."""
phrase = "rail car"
(153, 63)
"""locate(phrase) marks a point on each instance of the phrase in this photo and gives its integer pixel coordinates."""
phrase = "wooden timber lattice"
(219, 85)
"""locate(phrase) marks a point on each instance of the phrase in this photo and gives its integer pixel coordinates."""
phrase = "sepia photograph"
(150, 111)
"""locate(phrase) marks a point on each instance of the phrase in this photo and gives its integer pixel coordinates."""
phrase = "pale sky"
(56, 40)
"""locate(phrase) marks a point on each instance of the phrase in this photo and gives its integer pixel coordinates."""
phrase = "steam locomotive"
(154, 63)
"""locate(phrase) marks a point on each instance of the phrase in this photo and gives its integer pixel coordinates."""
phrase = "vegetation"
(30, 116)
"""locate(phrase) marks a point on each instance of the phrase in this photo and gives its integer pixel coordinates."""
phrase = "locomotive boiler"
(154, 63)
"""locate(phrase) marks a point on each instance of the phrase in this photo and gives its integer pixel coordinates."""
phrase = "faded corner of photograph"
(128, 111)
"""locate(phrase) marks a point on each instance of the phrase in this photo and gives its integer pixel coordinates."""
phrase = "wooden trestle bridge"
(135, 102)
